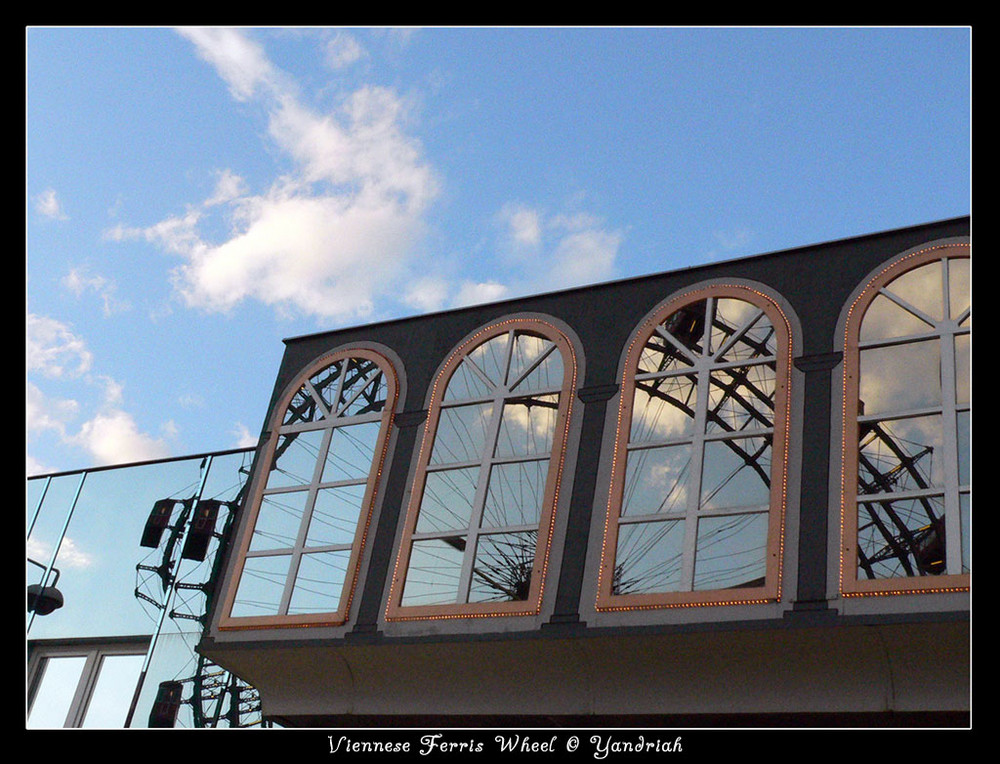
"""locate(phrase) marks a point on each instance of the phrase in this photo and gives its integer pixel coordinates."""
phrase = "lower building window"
(82, 685)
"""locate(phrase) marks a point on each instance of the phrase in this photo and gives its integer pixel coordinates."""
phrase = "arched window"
(479, 524)
(906, 483)
(696, 508)
(298, 561)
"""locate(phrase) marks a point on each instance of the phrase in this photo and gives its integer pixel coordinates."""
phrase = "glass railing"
(121, 560)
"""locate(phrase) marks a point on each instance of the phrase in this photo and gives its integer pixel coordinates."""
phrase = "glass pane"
(657, 480)
(261, 586)
(335, 515)
(736, 473)
(319, 582)
(447, 501)
(922, 288)
(959, 286)
(326, 381)
(687, 326)
(731, 316)
(548, 374)
(55, 692)
(900, 377)
(515, 494)
(661, 355)
(741, 398)
(962, 368)
(433, 574)
(885, 319)
(731, 552)
(502, 570)
(279, 520)
(465, 384)
(461, 433)
(112, 694)
(901, 537)
(648, 559)
(491, 357)
(351, 452)
(364, 390)
(295, 459)
(527, 426)
(899, 455)
(98, 576)
(302, 408)
(663, 409)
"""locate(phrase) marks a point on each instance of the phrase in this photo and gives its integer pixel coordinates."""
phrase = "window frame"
(771, 589)
(851, 584)
(395, 609)
(94, 652)
(338, 617)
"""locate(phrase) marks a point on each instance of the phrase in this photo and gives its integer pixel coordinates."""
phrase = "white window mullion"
(88, 677)
(482, 486)
(324, 411)
(532, 366)
(703, 371)
(300, 540)
(372, 375)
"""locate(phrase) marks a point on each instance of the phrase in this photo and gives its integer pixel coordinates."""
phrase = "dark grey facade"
(812, 656)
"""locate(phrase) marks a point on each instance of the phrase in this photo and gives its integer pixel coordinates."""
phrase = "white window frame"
(94, 652)
(328, 422)
(502, 393)
(702, 367)
(945, 330)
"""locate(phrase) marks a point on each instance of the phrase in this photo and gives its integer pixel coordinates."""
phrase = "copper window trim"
(770, 591)
(850, 584)
(340, 616)
(395, 610)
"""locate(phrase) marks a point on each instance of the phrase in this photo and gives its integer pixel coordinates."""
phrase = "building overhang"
(869, 671)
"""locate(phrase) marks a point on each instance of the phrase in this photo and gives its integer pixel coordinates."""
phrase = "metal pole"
(62, 535)
(38, 507)
(168, 600)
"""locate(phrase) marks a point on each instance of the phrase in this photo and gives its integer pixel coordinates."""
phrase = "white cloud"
(48, 204)
(473, 293)
(53, 350)
(113, 437)
(191, 401)
(238, 60)
(43, 413)
(325, 256)
(243, 437)
(33, 466)
(427, 294)
(342, 51)
(70, 554)
(524, 225)
(80, 280)
(177, 234)
(558, 251)
(110, 436)
(229, 187)
(584, 257)
(327, 240)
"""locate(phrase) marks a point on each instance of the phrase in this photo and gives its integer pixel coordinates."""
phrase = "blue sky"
(194, 196)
